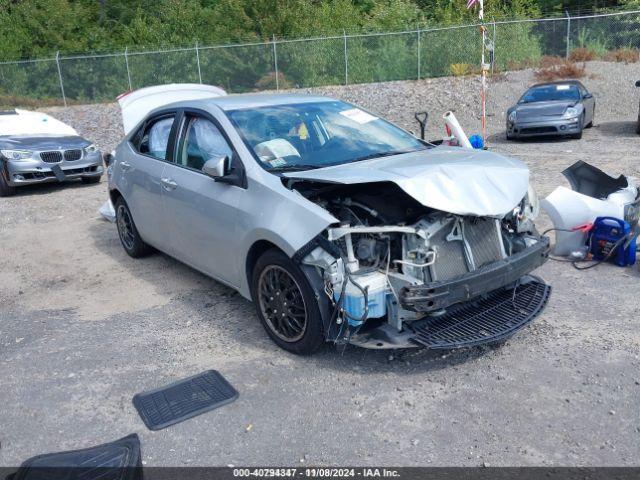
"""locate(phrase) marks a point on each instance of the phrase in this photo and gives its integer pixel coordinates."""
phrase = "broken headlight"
(531, 204)
(526, 212)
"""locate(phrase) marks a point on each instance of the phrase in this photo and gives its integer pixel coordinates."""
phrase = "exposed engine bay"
(393, 265)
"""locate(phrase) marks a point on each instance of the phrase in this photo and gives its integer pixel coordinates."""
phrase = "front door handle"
(168, 184)
(125, 166)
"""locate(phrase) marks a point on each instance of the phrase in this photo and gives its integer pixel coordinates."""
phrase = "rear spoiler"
(136, 104)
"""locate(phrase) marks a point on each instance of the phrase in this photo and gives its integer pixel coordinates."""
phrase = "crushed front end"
(397, 274)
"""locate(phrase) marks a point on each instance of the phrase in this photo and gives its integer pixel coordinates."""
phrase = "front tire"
(285, 304)
(128, 233)
(6, 190)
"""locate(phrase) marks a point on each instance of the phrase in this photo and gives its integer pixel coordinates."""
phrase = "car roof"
(558, 82)
(252, 100)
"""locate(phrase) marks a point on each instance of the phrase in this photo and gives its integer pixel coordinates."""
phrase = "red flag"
(471, 3)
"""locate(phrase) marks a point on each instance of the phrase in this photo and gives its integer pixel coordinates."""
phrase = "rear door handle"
(168, 184)
(125, 166)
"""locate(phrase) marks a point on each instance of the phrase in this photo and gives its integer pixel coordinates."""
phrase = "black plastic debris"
(489, 319)
(184, 399)
(59, 173)
(592, 181)
(119, 460)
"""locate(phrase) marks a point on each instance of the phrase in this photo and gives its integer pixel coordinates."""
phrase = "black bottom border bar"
(405, 473)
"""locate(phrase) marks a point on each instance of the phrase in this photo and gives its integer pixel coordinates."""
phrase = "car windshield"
(550, 93)
(318, 134)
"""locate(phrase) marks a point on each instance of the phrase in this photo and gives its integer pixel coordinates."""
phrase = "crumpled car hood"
(450, 179)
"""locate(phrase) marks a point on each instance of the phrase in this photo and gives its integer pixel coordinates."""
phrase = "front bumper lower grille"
(488, 319)
(538, 130)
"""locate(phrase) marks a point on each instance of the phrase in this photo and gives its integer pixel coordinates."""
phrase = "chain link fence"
(310, 62)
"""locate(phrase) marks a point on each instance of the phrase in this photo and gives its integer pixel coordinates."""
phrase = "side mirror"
(216, 167)
(588, 95)
(638, 83)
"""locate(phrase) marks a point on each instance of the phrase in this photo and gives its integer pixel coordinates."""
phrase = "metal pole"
(346, 59)
(494, 47)
(568, 33)
(275, 62)
(198, 60)
(64, 97)
(126, 61)
(484, 74)
(418, 53)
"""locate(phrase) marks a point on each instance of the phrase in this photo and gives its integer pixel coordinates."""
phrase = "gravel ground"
(83, 328)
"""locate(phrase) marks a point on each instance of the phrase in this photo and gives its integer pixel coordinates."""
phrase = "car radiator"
(483, 245)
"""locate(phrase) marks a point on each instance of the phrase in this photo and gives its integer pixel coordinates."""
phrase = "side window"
(154, 138)
(203, 141)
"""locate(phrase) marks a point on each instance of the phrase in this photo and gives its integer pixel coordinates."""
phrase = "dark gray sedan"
(37, 148)
(552, 109)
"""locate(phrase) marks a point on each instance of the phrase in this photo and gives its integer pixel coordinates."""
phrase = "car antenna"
(421, 118)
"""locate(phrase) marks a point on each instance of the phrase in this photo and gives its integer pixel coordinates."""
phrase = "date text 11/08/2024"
(316, 472)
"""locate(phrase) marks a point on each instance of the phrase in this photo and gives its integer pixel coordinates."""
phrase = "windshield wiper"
(381, 154)
(294, 167)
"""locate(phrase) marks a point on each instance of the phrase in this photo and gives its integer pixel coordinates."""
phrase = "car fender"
(281, 217)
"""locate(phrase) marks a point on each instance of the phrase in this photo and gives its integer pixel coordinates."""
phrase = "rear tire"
(128, 233)
(90, 180)
(6, 190)
(285, 304)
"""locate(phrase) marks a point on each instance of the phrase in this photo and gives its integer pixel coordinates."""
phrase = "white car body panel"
(569, 209)
(25, 122)
(137, 104)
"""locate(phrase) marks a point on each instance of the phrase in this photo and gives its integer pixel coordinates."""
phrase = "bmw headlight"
(571, 112)
(512, 116)
(90, 149)
(17, 155)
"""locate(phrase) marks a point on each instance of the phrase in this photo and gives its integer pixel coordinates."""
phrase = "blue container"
(476, 142)
(353, 302)
(604, 235)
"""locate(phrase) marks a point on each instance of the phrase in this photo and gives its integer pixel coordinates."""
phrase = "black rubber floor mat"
(184, 399)
(119, 460)
(489, 319)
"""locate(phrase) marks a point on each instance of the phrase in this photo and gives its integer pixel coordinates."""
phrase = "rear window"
(153, 138)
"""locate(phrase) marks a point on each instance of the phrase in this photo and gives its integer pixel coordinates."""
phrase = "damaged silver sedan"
(337, 224)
